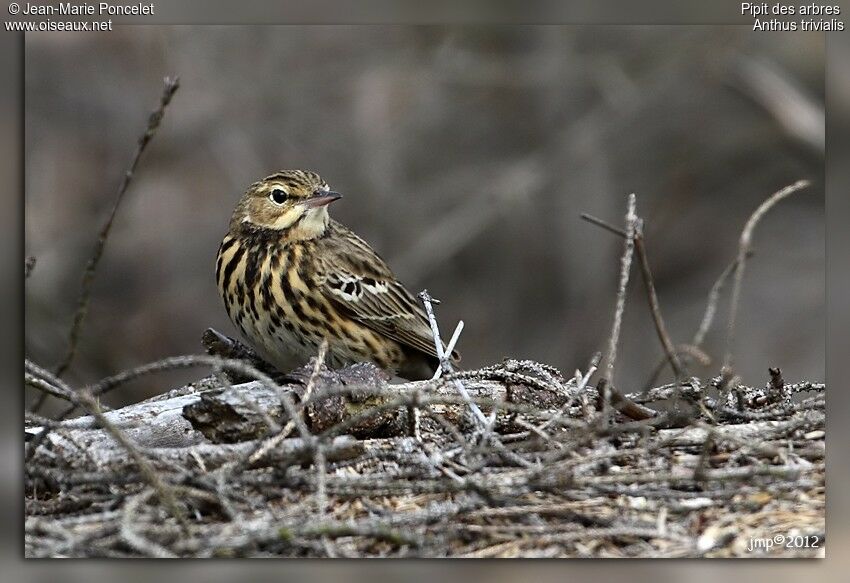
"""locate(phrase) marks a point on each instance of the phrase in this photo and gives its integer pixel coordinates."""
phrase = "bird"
(291, 277)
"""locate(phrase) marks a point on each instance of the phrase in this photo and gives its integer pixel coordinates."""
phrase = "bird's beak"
(321, 199)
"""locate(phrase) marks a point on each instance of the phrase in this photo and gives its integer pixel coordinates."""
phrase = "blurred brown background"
(466, 155)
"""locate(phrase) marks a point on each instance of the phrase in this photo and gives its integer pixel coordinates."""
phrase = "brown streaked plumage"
(290, 276)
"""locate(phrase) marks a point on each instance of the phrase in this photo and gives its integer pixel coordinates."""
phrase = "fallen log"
(214, 422)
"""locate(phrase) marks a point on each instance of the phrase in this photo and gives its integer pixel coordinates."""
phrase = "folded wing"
(362, 286)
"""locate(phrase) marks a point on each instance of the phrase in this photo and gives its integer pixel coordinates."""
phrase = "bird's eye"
(277, 196)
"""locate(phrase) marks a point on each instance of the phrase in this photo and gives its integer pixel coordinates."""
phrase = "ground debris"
(542, 480)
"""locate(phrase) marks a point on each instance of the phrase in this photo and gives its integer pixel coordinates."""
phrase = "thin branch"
(85, 399)
(175, 362)
(606, 392)
(445, 364)
(654, 306)
(449, 347)
(620, 306)
(581, 382)
(171, 86)
(743, 249)
(275, 440)
(712, 301)
(671, 355)
(164, 491)
(47, 388)
(687, 352)
(128, 532)
(693, 351)
(47, 383)
(604, 224)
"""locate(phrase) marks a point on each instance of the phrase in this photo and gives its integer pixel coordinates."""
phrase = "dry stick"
(171, 85)
(449, 348)
(414, 412)
(46, 388)
(604, 224)
(581, 382)
(134, 539)
(654, 306)
(427, 300)
(43, 380)
(694, 349)
(262, 523)
(604, 385)
(85, 399)
(484, 424)
(174, 362)
(671, 353)
(743, 248)
(712, 301)
(273, 441)
(687, 352)
(164, 491)
(729, 380)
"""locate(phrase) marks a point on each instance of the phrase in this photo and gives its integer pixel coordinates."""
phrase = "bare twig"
(743, 248)
(275, 440)
(604, 224)
(171, 85)
(620, 307)
(128, 531)
(585, 490)
(606, 392)
(713, 299)
(445, 363)
(581, 382)
(163, 490)
(175, 362)
(85, 399)
(687, 352)
(654, 306)
(693, 351)
(671, 354)
(47, 388)
(47, 382)
(449, 347)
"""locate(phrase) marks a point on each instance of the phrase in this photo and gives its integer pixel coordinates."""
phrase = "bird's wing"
(360, 284)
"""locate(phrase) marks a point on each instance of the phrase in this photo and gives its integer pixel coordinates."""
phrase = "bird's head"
(293, 202)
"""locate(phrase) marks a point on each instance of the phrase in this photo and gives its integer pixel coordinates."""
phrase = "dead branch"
(671, 353)
(605, 383)
(443, 357)
(171, 86)
(654, 306)
(744, 245)
(608, 394)
(567, 485)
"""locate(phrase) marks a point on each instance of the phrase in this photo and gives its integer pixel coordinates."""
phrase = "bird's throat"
(310, 225)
